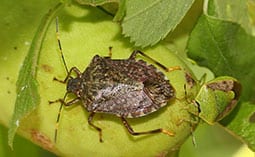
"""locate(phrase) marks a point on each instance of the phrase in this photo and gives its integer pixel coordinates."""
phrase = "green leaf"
(117, 7)
(121, 11)
(231, 10)
(27, 93)
(95, 2)
(149, 21)
(227, 49)
(241, 123)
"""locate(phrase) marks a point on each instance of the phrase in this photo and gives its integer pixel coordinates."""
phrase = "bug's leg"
(193, 124)
(62, 101)
(198, 107)
(134, 53)
(94, 126)
(110, 52)
(194, 102)
(131, 131)
(73, 69)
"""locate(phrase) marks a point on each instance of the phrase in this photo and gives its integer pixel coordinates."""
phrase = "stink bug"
(216, 99)
(126, 88)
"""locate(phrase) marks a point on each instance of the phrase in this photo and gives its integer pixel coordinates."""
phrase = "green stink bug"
(216, 99)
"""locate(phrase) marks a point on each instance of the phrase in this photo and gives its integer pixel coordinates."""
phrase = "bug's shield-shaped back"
(126, 88)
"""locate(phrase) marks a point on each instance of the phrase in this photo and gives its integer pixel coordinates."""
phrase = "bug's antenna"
(58, 118)
(57, 123)
(60, 47)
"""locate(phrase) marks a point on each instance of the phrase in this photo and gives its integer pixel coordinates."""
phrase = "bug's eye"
(73, 85)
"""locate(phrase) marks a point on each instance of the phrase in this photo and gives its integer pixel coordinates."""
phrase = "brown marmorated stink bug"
(126, 88)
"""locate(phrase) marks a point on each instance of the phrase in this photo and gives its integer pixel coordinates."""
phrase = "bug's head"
(74, 85)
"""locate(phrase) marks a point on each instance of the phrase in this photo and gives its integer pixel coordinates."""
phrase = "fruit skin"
(80, 42)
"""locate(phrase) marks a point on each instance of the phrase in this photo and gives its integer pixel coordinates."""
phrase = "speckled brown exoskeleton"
(126, 88)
